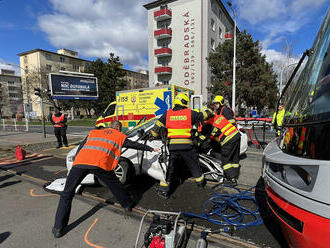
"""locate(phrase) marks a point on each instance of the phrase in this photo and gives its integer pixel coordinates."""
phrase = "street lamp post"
(281, 76)
(233, 104)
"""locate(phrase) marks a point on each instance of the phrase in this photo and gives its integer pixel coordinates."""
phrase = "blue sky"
(96, 27)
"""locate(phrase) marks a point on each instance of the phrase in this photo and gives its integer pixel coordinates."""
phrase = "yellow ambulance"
(134, 106)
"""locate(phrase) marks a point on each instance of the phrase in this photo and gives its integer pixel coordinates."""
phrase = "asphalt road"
(27, 215)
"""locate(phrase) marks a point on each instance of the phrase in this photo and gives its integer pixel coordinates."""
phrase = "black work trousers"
(75, 177)
(60, 134)
(190, 157)
(230, 157)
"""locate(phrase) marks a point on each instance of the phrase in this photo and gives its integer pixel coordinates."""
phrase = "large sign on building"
(64, 86)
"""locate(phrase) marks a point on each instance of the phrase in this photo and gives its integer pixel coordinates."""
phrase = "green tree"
(255, 79)
(109, 75)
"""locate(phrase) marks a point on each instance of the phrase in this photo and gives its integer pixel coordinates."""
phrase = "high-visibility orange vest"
(58, 119)
(102, 149)
(178, 124)
(301, 140)
(227, 129)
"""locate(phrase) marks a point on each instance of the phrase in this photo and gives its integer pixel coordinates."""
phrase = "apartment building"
(36, 64)
(181, 35)
(11, 101)
(136, 80)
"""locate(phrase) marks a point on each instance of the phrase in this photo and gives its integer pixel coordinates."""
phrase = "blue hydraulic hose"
(215, 210)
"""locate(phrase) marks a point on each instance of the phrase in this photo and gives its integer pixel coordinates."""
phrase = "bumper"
(301, 228)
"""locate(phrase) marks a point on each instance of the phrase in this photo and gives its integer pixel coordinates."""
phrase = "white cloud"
(97, 27)
(277, 18)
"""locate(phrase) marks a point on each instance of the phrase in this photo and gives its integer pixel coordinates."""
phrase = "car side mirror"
(140, 133)
(103, 115)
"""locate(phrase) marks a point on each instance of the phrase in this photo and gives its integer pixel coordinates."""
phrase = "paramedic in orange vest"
(179, 122)
(98, 154)
(59, 122)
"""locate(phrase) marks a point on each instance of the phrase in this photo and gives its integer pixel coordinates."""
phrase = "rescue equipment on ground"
(20, 153)
(167, 230)
(225, 209)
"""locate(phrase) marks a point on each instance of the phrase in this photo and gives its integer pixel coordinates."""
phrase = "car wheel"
(124, 171)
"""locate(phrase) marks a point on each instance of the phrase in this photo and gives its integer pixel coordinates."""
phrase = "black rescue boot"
(57, 232)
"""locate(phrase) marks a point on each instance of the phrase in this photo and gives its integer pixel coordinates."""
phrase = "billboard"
(65, 86)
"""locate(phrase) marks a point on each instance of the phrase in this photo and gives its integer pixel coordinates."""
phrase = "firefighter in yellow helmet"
(225, 139)
(178, 123)
(221, 108)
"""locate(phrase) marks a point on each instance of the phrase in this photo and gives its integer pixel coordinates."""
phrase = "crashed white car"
(134, 162)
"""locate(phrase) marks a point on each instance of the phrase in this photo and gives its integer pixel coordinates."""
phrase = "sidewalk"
(32, 143)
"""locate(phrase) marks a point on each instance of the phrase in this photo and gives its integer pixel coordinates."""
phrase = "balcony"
(162, 70)
(162, 52)
(163, 33)
(162, 14)
(228, 36)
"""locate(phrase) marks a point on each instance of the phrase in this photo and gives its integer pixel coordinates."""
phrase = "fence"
(14, 125)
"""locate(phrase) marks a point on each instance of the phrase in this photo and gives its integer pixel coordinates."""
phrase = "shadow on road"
(84, 217)
(269, 219)
(4, 236)
(6, 184)
(4, 178)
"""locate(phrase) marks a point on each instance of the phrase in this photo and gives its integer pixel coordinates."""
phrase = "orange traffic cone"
(20, 153)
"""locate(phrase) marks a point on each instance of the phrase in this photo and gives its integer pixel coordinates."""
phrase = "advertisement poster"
(73, 87)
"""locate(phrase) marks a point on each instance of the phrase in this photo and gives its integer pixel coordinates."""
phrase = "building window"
(25, 59)
(76, 67)
(62, 68)
(213, 25)
(220, 33)
(48, 67)
(212, 45)
(62, 59)
(48, 56)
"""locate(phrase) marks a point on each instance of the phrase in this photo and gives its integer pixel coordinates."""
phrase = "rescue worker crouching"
(98, 154)
(178, 123)
(221, 108)
(225, 133)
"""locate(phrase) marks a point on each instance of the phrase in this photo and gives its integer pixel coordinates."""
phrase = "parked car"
(133, 162)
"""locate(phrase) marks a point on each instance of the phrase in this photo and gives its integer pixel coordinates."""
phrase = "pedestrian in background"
(98, 154)
(59, 121)
(277, 120)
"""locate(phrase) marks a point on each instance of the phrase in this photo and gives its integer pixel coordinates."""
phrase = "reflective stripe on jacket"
(226, 129)
(59, 119)
(178, 124)
(102, 149)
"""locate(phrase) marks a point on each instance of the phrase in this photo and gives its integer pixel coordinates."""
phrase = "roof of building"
(157, 3)
(41, 50)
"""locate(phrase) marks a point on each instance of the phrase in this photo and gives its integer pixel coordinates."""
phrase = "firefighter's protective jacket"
(178, 122)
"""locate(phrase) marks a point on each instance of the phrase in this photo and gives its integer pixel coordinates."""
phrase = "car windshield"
(146, 125)
(309, 97)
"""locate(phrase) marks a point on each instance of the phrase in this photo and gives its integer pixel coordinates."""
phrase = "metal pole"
(42, 116)
(26, 124)
(15, 126)
(234, 68)
(233, 103)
